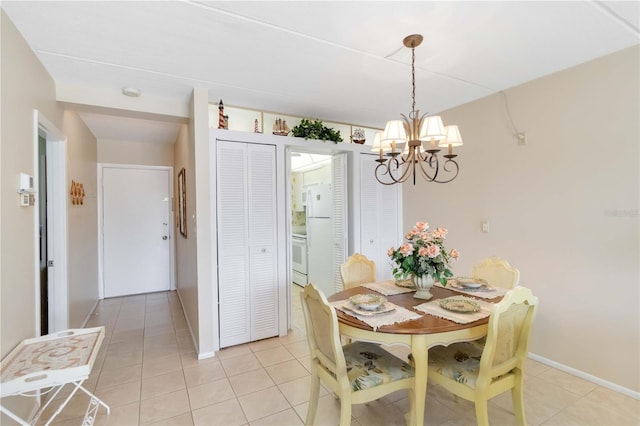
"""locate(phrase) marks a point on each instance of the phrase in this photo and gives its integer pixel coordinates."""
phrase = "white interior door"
(136, 230)
(380, 218)
(247, 249)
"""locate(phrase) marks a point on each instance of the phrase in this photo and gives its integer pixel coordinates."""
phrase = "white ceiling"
(338, 61)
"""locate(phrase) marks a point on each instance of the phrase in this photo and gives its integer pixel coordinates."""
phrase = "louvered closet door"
(369, 209)
(262, 240)
(379, 218)
(339, 185)
(233, 243)
(247, 255)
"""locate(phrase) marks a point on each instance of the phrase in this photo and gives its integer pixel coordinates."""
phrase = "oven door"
(299, 255)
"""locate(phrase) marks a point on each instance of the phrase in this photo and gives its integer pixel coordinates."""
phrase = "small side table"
(52, 361)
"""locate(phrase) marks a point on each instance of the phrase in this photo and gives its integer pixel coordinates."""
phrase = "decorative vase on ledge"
(423, 284)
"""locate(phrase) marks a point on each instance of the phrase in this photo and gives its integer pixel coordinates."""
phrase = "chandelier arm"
(444, 167)
(387, 168)
(381, 170)
(409, 166)
(428, 159)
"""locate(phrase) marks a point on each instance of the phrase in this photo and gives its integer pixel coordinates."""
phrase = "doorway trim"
(57, 217)
(172, 212)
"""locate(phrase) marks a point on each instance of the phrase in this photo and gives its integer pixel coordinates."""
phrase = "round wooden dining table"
(419, 335)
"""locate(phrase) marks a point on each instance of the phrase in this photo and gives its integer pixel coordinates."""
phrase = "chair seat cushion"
(460, 361)
(368, 365)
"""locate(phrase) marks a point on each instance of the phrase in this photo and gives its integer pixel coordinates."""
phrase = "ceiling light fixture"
(131, 91)
(412, 144)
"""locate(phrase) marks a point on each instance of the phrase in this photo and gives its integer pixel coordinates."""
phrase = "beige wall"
(138, 153)
(27, 86)
(82, 220)
(186, 277)
(563, 208)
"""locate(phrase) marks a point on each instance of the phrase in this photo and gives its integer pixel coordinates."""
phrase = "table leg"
(421, 363)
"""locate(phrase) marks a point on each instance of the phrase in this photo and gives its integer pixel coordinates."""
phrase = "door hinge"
(49, 263)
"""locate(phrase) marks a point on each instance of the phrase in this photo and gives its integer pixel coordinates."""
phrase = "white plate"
(382, 309)
(472, 283)
(459, 305)
(367, 302)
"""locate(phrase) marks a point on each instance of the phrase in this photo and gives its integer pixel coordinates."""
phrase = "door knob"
(164, 237)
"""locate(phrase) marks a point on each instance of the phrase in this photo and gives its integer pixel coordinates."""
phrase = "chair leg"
(313, 400)
(517, 395)
(482, 412)
(345, 411)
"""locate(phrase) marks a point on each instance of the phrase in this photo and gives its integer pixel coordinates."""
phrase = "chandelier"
(411, 145)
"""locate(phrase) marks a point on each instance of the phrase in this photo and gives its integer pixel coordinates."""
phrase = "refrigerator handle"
(309, 208)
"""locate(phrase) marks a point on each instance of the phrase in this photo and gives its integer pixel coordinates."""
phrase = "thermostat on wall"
(26, 183)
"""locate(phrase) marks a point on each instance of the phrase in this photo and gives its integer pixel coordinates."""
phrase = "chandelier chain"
(413, 81)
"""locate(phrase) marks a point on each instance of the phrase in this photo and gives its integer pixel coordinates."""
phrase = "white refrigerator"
(320, 237)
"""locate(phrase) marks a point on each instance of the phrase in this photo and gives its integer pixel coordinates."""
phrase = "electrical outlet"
(484, 227)
(522, 138)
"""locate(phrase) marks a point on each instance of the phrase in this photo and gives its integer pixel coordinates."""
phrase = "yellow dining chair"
(357, 270)
(358, 372)
(497, 272)
(479, 372)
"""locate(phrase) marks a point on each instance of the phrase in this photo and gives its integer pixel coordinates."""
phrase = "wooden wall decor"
(77, 193)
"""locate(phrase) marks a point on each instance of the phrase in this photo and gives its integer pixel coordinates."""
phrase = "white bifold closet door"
(380, 217)
(247, 250)
(339, 185)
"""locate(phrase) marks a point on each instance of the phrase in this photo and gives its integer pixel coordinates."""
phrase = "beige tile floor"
(147, 371)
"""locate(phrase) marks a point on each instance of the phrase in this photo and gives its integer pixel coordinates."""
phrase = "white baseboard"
(186, 317)
(586, 376)
(206, 355)
(91, 311)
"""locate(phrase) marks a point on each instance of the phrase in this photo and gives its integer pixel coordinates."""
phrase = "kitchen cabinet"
(380, 217)
(297, 183)
(247, 242)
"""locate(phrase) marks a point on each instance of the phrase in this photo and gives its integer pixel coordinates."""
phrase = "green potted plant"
(315, 130)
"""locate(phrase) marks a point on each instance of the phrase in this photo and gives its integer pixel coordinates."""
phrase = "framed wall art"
(182, 202)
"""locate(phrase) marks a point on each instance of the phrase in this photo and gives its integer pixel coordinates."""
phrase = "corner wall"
(563, 208)
(82, 222)
(186, 253)
(26, 86)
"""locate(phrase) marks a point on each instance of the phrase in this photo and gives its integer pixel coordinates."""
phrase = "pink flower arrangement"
(423, 254)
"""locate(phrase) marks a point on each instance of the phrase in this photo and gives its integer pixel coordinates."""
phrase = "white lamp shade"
(453, 136)
(432, 128)
(394, 131)
(378, 145)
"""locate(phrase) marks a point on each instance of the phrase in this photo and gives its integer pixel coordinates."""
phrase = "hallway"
(148, 373)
